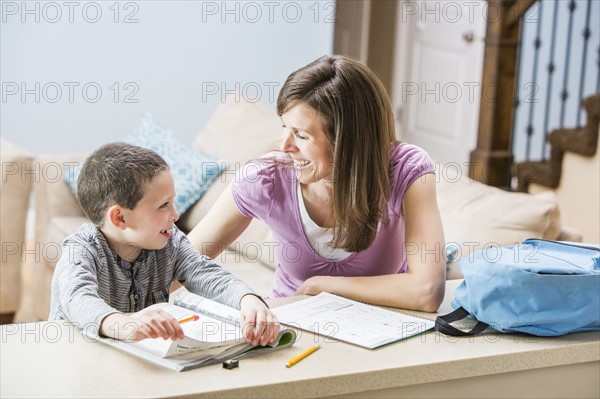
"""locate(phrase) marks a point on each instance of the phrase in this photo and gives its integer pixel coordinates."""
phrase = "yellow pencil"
(301, 356)
(193, 317)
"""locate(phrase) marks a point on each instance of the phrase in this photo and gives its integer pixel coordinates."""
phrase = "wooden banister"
(517, 11)
(492, 158)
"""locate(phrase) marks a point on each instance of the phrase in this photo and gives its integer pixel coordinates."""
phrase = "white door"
(437, 76)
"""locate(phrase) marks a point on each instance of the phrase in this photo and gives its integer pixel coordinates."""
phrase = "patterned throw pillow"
(193, 172)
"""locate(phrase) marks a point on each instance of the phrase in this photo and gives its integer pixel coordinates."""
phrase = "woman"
(353, 211)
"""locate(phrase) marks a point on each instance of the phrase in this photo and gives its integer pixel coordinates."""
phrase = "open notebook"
(351, 321)
(214, 337)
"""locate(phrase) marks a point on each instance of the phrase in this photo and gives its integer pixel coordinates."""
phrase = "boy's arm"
(203, 276)
(75, 290)
(75, 287)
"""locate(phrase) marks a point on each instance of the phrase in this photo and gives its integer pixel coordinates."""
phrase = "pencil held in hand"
(189, 318)
(301, 356)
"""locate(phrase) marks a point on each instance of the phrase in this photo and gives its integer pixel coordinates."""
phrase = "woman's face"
(306, 142)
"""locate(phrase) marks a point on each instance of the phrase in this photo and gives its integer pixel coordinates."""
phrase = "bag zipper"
(565, 244)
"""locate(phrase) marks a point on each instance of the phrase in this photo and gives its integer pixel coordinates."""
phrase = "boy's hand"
(158, 324)
(153, 324)
(259, 324)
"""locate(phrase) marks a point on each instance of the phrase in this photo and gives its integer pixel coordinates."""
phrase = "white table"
(52, 359)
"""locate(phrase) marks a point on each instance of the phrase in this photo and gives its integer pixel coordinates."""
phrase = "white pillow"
(237, 132)
(240, 131)
(476, 216)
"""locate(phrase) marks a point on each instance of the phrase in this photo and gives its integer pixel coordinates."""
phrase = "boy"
(127, 259)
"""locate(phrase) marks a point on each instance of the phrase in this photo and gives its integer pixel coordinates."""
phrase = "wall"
(579, 194)
(365, 31)
(78, 74)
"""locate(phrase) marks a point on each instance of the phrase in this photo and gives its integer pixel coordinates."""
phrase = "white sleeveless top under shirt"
(318, 237)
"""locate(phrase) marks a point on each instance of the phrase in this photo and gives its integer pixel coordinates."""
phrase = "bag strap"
(442, 324)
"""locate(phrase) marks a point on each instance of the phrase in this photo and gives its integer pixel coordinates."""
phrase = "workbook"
(212, 335)
(351, 321)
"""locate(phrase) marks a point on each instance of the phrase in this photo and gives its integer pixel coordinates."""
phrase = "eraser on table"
(231, 364)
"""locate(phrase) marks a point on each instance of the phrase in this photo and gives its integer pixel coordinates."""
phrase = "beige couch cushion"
(59, 228)
(475, 215)
(18, 174)
(238, 131)
(53, 196)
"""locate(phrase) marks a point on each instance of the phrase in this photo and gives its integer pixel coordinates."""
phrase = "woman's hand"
(259, 324)
(315, 285)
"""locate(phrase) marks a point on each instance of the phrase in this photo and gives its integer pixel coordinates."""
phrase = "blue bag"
(539, 287)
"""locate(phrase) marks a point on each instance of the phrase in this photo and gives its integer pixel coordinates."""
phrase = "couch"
(15, 189)
(474, 215)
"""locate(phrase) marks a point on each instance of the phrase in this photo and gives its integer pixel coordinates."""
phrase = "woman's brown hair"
(357, 117)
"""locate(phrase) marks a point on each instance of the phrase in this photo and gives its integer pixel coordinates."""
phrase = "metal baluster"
(565, 93)
(537, 44)
(551, 69)
(516, 97)
(586, 36)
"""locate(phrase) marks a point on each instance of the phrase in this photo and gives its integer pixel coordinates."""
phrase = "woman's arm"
(220, 227)
(422, 287)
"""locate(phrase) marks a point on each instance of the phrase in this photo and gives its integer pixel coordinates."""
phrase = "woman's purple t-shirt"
(267, 191)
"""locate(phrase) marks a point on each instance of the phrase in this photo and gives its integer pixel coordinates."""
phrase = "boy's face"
(150, 223)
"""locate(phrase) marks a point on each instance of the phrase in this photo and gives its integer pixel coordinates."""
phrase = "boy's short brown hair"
(116, 174)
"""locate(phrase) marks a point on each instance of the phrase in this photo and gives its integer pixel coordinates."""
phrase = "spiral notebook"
(351, 321)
